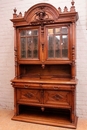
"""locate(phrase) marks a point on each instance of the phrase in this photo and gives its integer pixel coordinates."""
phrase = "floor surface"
(7, 124)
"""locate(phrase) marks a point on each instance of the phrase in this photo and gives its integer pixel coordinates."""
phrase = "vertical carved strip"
(42, 41)
(16, 106)
(15, 51)
(73, 52)
(42, 96)
(73, 104)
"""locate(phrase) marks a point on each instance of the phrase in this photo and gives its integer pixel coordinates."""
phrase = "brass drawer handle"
(26, 86)
(55, 87)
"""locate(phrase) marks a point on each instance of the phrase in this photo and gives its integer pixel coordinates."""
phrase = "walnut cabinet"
(45, 71)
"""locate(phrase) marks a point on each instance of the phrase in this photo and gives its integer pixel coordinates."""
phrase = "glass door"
(29, 44)
(57, 42)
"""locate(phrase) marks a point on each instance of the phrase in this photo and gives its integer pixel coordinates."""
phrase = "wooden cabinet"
(45, 70)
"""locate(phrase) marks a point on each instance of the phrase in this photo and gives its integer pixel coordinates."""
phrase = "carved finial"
(14, 14)
(20, 14)
(65, 9)
(15, 10)
(72, 9)
(42, 108)
(59, 9)
(43, 66)
(24, 12)
(72, 2)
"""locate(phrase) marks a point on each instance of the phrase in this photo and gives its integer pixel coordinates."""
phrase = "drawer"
(29, 96)
(44, 86)
(57, 97)
(26, 85)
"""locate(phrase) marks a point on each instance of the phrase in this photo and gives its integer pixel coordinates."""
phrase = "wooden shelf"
(47, 117)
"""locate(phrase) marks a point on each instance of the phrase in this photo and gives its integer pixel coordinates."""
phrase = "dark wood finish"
(45, 70)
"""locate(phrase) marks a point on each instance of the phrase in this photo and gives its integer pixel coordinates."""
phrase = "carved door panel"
(29, 96)
(61, 98)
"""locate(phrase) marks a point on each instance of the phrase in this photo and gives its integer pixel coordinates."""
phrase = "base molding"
(51, 118)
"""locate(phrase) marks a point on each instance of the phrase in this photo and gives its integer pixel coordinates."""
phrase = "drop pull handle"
(26, 86)
(56, 87)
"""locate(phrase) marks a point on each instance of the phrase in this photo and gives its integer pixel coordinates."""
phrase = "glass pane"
(57, 46)
(35, 47)
(50, 31)
(64, 46)
(64, 30)
(57, 30)
(50, 47)
(23, 33)
(23, 47)
(29, 46)
(32, 32)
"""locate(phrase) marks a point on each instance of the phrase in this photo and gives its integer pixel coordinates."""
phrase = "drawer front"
(29, 96)
(56, 97)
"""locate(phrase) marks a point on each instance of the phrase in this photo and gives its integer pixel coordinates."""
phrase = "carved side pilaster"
(73, 104)
(73, 63)
(15, 53)
(73, 52)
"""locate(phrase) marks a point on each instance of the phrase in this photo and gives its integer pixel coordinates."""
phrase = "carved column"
(42, 42)
(15, 51)
(73, 52)
(73, 104)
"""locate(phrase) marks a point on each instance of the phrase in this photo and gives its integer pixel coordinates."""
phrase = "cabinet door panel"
(57, 42)
(29, 43)
(23, 47)
(29, 95)
(64, 46)
(57, 97)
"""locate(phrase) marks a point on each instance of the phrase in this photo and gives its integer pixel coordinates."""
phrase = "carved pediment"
(41, 13)
(44, 13)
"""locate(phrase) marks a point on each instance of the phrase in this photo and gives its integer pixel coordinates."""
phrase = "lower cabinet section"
(45, 105)
(54, 98)
(58, 98)
(29, 96)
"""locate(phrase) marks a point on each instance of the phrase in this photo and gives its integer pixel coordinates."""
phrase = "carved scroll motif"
(41, 17)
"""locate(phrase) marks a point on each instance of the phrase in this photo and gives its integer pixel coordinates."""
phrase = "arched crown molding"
(41, 13)
(44, 13)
